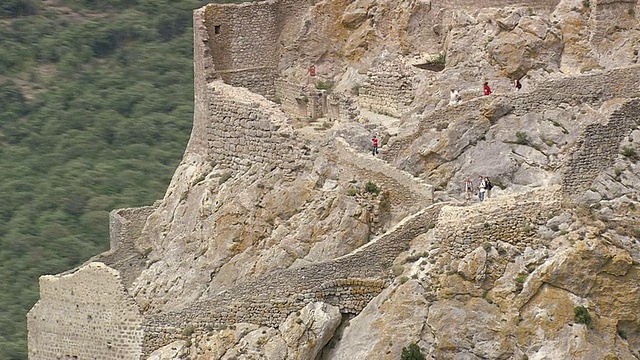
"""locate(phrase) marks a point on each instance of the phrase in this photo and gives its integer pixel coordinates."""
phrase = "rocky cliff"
(282, 237)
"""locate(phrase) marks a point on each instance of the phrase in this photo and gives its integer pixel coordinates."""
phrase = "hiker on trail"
(486, 89)
(468, 189)
(482, 188)
(374, 142)
(516, 84)
(454, 97)
(488, 186)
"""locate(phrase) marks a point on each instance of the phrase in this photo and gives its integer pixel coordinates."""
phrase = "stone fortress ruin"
(244, 108)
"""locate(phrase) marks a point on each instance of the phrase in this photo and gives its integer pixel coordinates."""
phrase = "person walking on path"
(488, 186)
(486, 89)
(468, 189)
(374, 142)
(482, 188)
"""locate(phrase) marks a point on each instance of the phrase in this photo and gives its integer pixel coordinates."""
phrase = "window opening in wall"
(216, 29)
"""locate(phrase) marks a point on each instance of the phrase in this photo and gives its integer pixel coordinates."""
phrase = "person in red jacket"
(486, 88)
(374, 142)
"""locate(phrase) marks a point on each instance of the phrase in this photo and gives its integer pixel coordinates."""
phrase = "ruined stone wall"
(348, 282)
(293, 98)
(342, 107)
(597, 148)
(245, 129)
(244, 40)
(512, 220)
(125, 226)
(388, 89)
(241, 40)
(593, 89)
(547, 5)
(403, 189)
(608, 15)
(85, 315)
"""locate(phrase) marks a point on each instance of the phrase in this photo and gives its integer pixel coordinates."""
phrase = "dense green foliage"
(411, 352)
(95, 112)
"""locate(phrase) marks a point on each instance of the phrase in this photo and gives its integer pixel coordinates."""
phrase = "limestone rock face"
(301, 336)
(306, 334)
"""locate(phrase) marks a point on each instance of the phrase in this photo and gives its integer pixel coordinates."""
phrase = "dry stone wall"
(598, 148)
(403, 189)
(511, 219)
(85, 315)
(389, 89)
(245, 129)
(349, 282)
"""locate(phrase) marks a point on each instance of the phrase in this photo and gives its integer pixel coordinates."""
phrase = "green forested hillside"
(95, 112)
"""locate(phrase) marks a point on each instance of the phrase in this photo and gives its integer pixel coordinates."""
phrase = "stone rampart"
(389, 89)
(593, 89)
(241, 43)
(510, 219)
(244, 40)
(356, 279)
(245, 129)
(403, 189)
(85, 315)
(597, 149)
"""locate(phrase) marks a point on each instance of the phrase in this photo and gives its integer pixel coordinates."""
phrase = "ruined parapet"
(511, 219)
(348, 282)
(245, 129)
(125, 226)
(389, 89)
(609, 16)
(597, 149)
(85, 315)
(403, 189)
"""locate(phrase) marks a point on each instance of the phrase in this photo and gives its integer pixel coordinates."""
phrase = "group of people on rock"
(455, 98)
(482, 188)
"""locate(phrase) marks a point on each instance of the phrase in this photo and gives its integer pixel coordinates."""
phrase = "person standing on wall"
(486, 89)
(516, 84)
(482, 187)
(488, 186)
(374, 142)
(468, 189)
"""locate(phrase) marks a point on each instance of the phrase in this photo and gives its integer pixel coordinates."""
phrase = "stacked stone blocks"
(598, 148)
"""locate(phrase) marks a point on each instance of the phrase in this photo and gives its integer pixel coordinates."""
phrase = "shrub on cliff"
(411, 352)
